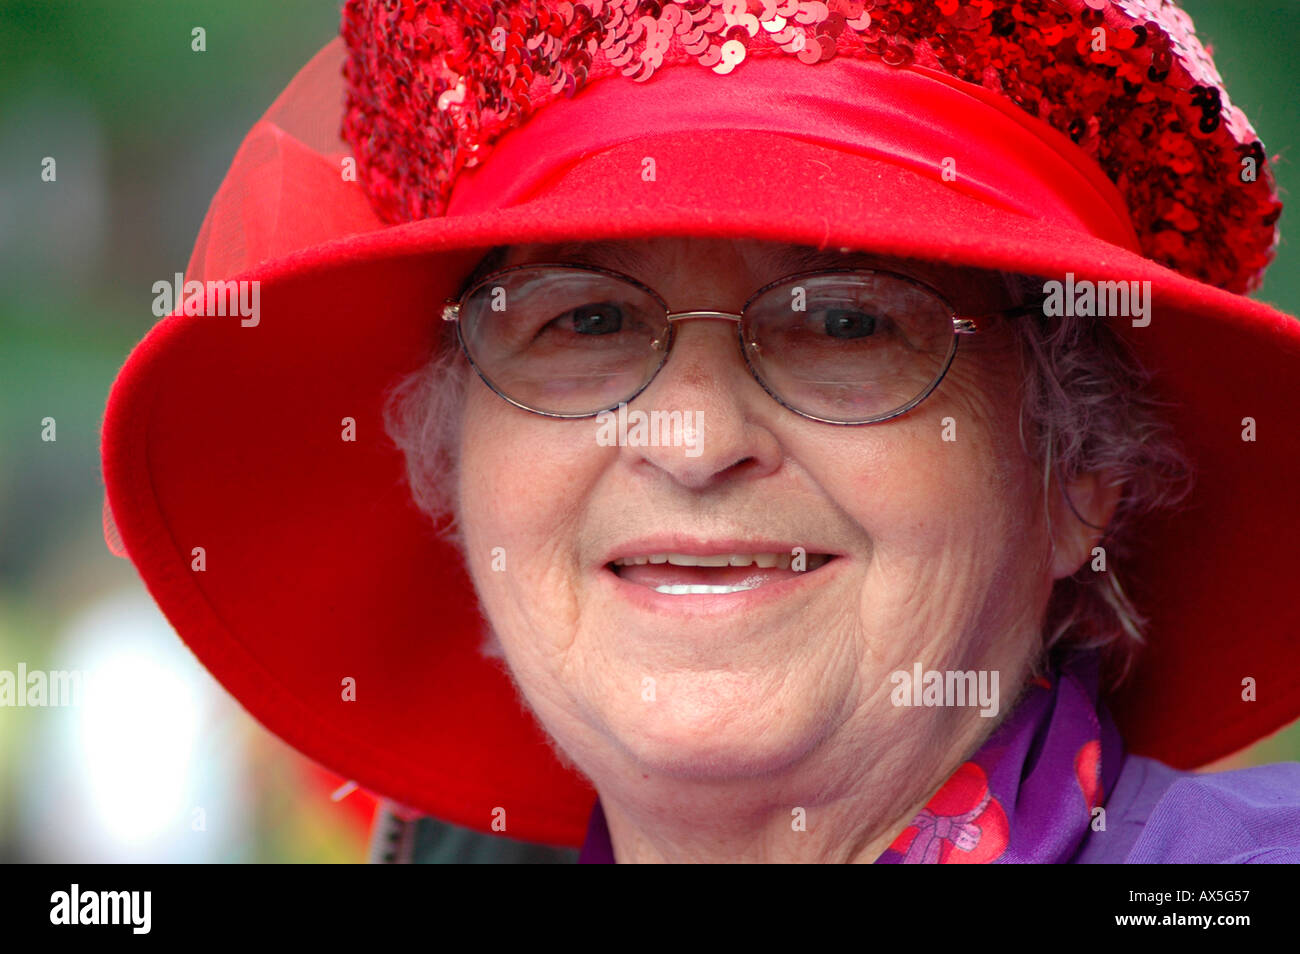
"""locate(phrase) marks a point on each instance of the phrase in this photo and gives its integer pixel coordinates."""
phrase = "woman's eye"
(847, 323)
(601, 319)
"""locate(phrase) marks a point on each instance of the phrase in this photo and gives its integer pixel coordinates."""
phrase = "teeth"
(781, 560)
(683, 589)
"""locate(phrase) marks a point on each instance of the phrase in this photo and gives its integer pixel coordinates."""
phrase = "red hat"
(1042, 137)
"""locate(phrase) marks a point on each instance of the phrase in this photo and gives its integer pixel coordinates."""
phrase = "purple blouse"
(1053, 784)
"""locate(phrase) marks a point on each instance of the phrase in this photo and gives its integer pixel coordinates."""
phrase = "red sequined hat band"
(975, 141)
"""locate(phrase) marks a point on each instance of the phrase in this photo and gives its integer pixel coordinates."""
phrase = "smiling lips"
(680, 574)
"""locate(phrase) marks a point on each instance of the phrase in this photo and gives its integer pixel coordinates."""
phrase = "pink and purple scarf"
(1027, 795)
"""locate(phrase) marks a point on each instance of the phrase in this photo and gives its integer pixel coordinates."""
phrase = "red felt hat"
(1045, 138)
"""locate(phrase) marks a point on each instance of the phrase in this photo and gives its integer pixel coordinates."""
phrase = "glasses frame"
(962, 325)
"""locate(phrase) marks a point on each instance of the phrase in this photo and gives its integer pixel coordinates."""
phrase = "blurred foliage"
(143, 128)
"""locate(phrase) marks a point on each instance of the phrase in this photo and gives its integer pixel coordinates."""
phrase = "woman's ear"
(1092, 499)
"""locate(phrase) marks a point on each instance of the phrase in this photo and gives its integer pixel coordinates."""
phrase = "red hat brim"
(319, 567)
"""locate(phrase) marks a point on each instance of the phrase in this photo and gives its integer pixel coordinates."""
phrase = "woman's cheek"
(907, 483)
(928, 493)
(521, 475)
(524, 484)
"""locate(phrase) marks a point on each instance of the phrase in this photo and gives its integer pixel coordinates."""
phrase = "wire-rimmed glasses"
(841, 346)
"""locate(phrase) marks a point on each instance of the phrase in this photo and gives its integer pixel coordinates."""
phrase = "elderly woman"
(783, 431)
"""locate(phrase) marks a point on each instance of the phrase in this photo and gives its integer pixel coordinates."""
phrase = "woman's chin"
(695, 740)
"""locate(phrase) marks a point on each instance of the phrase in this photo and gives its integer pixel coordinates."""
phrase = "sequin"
(433, 84)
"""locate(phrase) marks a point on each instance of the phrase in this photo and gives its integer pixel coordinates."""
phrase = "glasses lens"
(849, 348)
(561, 340)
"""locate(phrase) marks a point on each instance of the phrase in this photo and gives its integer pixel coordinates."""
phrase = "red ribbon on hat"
(916, 118)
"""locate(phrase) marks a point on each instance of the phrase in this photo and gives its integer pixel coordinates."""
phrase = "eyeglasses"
(855, 346)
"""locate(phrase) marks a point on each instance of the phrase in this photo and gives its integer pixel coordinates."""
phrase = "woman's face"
(932, 521)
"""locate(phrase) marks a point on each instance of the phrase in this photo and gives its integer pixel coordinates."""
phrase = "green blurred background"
(143, 129)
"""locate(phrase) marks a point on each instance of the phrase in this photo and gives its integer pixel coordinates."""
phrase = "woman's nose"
(724, 432)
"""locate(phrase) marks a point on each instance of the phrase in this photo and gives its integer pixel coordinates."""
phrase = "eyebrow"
(778, 259)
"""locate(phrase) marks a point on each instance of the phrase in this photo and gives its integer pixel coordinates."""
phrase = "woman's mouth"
(683, 574)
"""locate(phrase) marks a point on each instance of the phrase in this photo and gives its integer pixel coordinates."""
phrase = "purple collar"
(1027, 794)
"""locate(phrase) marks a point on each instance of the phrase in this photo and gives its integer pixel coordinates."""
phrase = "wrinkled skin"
(944, 557)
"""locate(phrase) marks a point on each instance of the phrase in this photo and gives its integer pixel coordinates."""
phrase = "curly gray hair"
(1086, 405)
(1091, 408)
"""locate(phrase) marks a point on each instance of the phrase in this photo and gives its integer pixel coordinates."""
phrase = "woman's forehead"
(765, 260)
(666, 250)
(669, 250)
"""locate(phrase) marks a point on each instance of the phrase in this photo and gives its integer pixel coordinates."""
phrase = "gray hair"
(422, 415)
(1086, 405)
(1090, 406)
